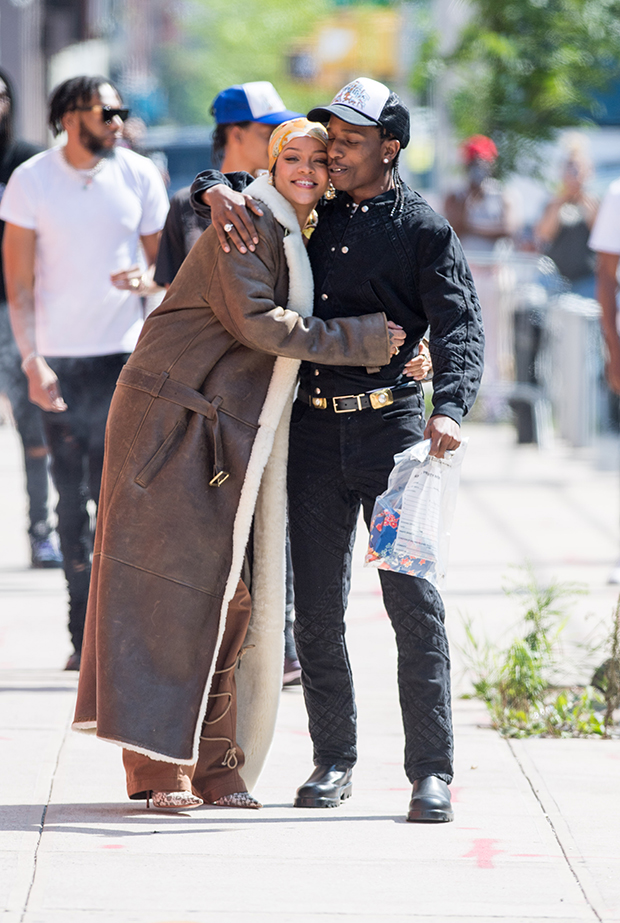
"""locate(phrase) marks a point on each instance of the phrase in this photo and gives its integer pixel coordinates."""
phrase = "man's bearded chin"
(94, 144)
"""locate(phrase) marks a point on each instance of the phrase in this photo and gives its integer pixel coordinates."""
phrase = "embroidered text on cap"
(366, 95)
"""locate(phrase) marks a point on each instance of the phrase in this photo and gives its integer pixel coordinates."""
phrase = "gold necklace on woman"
(87, 176)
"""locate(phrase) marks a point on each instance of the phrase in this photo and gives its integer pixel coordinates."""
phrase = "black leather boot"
(430, 802)
(327, 787)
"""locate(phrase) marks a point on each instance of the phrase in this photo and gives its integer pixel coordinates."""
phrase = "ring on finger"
(228, 227)
(396, 351)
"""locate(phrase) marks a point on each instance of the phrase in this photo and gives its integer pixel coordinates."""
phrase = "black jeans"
(76, 442)
(338, 462)
(28, 421)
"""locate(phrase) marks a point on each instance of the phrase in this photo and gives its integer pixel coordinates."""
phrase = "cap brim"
(346, 113)
(276, 118)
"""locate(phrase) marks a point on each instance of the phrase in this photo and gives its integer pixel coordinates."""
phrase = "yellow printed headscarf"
(294, 128)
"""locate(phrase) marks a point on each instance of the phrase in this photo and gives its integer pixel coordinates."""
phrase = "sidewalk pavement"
(537, 830)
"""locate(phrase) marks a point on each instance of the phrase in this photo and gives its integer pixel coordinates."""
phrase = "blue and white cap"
(251, 102)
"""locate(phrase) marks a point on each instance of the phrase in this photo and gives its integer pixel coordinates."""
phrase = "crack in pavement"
(590, 898)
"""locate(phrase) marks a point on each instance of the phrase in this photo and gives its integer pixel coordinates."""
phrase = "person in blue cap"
(245, 115)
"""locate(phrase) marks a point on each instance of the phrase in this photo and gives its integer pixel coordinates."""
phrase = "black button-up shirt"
(408, 264)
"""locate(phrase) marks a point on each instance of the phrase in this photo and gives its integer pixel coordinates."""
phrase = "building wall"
(43, 42)
(22, 57)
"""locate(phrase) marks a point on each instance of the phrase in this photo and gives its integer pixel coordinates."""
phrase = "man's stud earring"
(386, 160)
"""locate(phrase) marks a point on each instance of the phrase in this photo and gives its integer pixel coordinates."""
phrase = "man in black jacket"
(378, 246)
(44, 547)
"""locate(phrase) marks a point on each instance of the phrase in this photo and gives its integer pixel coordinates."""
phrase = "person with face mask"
(44, 547)
(480, 213)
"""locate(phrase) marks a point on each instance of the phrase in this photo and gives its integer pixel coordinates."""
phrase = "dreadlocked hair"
(220, 138)
(70, 95)
(399, 183)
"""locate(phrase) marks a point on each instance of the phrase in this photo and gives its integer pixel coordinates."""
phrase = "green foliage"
(611, 671)
(235, 41)
(427, 64)
(530, 67)
(516, 684)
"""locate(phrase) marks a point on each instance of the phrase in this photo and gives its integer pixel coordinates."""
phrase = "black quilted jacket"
(409, 265)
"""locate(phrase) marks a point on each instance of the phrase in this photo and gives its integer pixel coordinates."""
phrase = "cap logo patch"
(353, 95)
(366, 95)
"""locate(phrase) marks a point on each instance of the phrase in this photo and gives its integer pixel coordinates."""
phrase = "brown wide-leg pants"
(219, 756)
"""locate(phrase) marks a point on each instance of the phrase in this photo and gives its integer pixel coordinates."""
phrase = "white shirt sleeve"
(154, 200)
(605, 236)
(18, 204)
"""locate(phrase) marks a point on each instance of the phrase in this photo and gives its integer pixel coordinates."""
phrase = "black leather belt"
(368, 400)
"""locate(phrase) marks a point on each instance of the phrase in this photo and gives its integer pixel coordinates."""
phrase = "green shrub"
(517, 683)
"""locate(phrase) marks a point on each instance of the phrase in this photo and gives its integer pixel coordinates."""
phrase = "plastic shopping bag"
(411, 521)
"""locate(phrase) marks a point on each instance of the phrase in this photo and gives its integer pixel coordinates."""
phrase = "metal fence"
(544, 364)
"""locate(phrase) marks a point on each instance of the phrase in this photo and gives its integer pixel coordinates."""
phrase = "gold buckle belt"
(349, 403)
(382, 397)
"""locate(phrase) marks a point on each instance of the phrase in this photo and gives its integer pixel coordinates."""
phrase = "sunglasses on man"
(107, 112)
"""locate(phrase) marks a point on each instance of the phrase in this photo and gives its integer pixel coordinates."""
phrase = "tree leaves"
(225, 42)
(529, 67)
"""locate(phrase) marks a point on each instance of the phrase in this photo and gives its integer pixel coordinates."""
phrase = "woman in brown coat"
(196, 467)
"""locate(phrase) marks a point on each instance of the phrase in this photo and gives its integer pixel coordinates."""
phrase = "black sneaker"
(292, 673)
(73, 663)
(44, 546)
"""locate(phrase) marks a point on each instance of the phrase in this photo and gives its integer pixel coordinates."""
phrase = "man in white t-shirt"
(75, 218)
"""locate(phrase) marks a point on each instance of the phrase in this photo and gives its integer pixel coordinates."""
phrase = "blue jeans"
(337, 463)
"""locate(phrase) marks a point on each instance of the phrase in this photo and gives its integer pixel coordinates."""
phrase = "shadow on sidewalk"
(79, 818)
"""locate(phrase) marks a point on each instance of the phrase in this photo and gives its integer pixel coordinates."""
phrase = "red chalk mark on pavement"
(455, 793)
(118, 846)
(483, 851)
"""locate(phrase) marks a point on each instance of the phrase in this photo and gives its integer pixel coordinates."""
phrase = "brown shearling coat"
(169, 544)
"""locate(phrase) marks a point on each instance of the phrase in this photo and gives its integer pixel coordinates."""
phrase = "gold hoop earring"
(330, 192)
(270, 179)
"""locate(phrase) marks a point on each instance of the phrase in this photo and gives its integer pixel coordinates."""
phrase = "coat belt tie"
(177, 393)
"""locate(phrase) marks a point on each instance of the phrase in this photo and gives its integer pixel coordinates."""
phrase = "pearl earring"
(386, 160)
